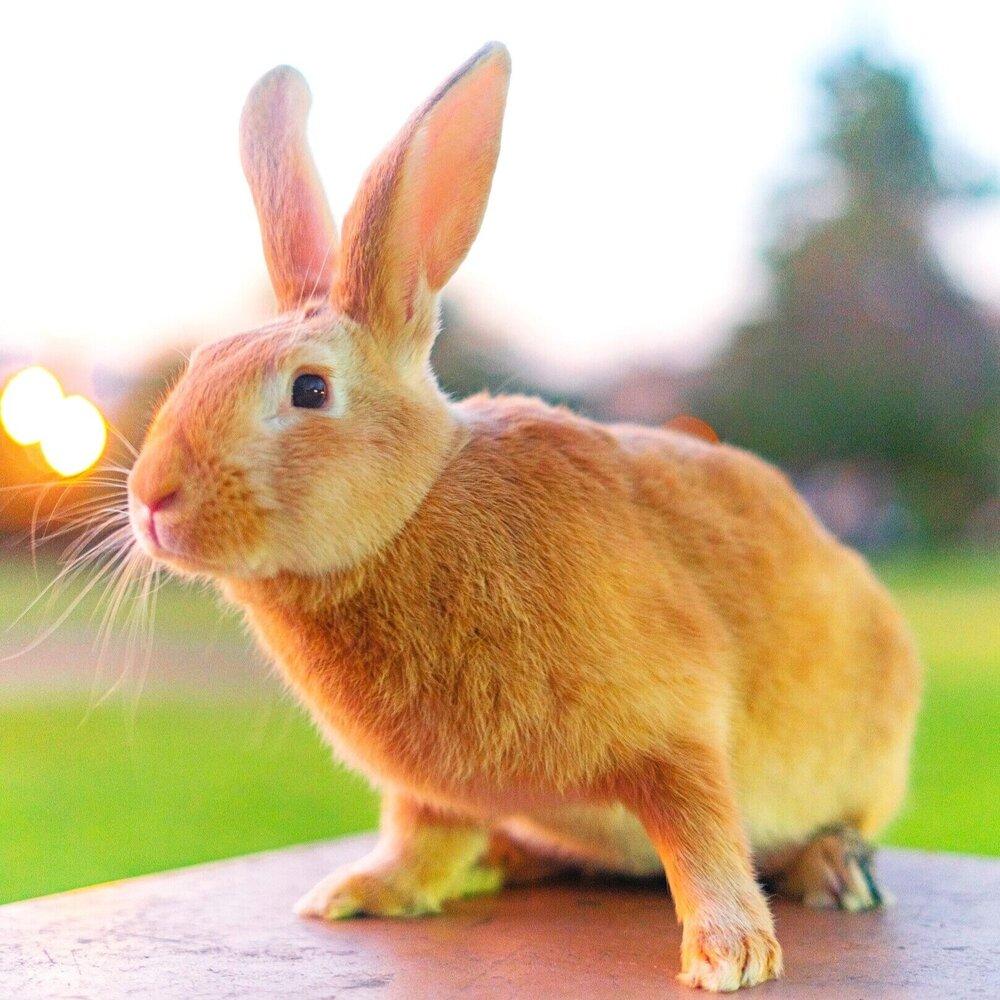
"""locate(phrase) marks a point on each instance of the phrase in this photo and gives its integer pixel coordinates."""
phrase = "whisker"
(66, 484)
(158, 580)
(81, 510)
(91, 528)
(111, 490)
(118, 589)
(86, 545)
(142, 643)
(139, 631)
(77, 561)
(77, 512)
(74, 604)
(124, 440)
(120, 584)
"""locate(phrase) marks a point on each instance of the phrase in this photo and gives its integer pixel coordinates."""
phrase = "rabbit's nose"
(148, 510)
(151, 490)
(162, 501)
(157, 488)
(155, 479)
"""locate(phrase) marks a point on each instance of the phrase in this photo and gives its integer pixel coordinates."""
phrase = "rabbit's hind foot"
(833, 870)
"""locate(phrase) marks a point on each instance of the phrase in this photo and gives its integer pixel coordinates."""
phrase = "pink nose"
(150, 510)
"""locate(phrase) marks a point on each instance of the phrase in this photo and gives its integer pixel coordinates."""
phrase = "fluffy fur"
(547, 641)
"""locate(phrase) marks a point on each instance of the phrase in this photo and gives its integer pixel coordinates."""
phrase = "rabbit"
(551, 644)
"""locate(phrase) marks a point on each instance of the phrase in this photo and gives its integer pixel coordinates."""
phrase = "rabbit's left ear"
(421, 204)
(300, 239)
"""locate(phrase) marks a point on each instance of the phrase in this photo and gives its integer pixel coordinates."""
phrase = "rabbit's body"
(544, 639)
(568, 597)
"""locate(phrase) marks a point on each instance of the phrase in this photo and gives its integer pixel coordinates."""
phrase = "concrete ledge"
(226, 930)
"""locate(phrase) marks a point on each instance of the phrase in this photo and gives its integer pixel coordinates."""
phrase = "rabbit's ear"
(421, 204)
(295, 222)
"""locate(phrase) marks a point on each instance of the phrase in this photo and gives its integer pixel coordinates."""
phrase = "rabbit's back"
(789, 627)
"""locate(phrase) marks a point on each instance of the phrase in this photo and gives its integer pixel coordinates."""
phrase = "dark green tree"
(865, 349)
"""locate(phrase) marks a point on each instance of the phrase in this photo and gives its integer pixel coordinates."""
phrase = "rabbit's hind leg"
(521, 864)
(833, 870)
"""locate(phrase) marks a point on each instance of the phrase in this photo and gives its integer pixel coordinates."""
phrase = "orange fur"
(296, 225)
(421, 203)
(617, 647)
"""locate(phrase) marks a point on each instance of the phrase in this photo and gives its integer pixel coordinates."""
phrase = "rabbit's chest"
(447, 720)
(471, 695)
(396, 712)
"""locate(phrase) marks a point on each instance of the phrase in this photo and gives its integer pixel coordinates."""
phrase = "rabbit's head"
(306, 444)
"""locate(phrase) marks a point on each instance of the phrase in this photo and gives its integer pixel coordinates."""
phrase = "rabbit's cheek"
(227, 528)
(212, 525)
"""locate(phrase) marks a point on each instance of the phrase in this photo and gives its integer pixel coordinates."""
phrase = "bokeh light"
(70, 430)
(28, 403)
(74, 440)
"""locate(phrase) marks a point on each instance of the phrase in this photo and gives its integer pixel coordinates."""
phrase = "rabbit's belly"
(603, 838)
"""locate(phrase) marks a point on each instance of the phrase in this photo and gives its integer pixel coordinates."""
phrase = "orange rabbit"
(549, 642)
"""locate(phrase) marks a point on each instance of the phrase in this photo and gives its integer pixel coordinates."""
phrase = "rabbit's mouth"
(178, 539)
(190, 527)
(159, 529)
(156, 531)
(161, 545)
(147, 522)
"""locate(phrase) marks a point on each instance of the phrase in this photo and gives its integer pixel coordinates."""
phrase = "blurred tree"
(866, 350)
(145, 393)
(468, 358)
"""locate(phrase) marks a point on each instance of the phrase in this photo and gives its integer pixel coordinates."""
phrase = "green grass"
(100, 795)
(952, 602)
(88, 795)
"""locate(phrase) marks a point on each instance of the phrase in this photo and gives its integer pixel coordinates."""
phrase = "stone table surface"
(227, 930)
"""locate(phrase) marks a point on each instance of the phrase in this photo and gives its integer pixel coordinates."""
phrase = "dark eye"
(309, 391)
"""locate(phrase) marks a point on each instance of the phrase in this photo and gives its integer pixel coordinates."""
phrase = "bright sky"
(641, 143)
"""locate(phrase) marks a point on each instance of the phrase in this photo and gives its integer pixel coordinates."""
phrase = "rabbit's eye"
(310, 391)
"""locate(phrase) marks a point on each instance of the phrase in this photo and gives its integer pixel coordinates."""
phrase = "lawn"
(91, 793)
(116, 791)
(953, 605)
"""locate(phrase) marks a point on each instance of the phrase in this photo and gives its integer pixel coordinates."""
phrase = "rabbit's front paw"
(386, 889)
(722, 957)
(354, 891)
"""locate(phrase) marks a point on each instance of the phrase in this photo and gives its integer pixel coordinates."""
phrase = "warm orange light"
(70, 429)
(28, 402)
(75, 438)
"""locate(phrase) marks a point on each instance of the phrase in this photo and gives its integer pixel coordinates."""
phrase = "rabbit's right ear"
(295, 221)
(420, 206)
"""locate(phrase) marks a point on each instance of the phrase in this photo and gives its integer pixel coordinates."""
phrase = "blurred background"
(783, 221)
